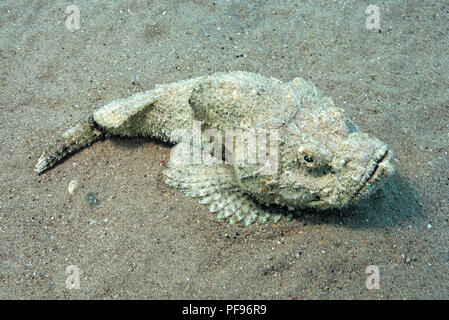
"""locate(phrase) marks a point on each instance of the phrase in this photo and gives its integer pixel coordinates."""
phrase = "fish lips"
(382, 168)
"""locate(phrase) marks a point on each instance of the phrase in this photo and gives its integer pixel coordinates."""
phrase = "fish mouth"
(381, 169)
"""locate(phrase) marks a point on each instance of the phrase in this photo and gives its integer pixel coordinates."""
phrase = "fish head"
(324, 161)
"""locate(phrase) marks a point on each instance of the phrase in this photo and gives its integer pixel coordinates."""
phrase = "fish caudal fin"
(75, 138)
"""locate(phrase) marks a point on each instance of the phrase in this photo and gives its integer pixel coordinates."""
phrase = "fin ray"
(213, 183)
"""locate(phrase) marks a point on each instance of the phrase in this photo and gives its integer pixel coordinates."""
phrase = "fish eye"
(314, 159)
(308, 159)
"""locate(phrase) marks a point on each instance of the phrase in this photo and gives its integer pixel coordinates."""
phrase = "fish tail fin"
(82, 134)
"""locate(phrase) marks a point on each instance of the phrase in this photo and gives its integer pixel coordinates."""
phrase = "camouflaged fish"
(315, 156)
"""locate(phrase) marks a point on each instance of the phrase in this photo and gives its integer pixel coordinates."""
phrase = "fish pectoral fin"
(214, 184)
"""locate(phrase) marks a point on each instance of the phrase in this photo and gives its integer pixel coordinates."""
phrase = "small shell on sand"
(72, 186)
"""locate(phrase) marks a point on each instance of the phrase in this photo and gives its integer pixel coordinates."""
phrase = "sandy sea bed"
(147, 240)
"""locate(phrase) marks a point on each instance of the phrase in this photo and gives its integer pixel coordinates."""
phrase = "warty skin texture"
(323, 159)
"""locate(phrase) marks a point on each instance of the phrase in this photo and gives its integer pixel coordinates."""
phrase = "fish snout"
(363, 165)
(376, 170)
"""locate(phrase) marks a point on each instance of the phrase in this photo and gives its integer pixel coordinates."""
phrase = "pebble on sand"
(72, 186)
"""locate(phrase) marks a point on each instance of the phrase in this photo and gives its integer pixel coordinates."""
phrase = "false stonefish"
(252, 148)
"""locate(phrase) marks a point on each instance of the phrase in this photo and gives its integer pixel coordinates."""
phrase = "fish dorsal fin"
(119, 113)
